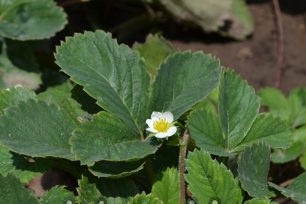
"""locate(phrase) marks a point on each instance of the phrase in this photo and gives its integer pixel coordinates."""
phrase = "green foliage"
(57, 195)
(259, 201)
(210, 181)
(167, 189)
(253, 169)
(12, 191)
(30, 19)
(296, 190)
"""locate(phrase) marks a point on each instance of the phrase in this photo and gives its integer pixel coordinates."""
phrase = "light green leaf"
(114, 200)
(145, 199)
(6, 162)
(108, 169)
(106, 137)
(57, 195)
(13, 96)
(37, 129)
(238, 106)
(253, 169)
(210, 181)
(269, 129)
(112, 74)
(259, 201)
(302, 161)
(296, 190)
(183, 80)
(87, 192)
(154, 51)
(286, 155)
(167, 189)
(12, 191)
(204, 127)
(30, 19)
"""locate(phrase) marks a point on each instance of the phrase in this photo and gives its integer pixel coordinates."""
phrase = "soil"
(255, 58)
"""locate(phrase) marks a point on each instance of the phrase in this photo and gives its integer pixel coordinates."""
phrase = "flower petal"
(150, 123)
(172, 130)
(156, 115)
(161, 135)
(152, 130)
(168, 116)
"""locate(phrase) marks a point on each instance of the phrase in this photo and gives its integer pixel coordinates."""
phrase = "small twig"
(183, 151)
(280, 44)
(287, 182)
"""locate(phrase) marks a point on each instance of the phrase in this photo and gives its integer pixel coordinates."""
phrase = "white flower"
(161, 124)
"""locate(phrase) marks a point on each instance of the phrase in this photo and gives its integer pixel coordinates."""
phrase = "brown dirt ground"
(255, 58)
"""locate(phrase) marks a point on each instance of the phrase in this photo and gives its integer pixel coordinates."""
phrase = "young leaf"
(57, 195)
(13, 96)
(205, 129)
(296, 190)
(238, 106)
(145, 199)
(253, 169)
(167, 189)
(12, 191)
(269, 129)
(112, 74)
(154, 51)
(106, 137)
(107, 169)
(37, 129)
(210, 181)
(30, 19)
(87, 192)
(6, 162)
(183, 80)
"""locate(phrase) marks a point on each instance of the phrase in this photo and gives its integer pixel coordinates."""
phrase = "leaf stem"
(183, 151)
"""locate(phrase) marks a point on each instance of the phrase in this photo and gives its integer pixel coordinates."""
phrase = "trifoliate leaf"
(145, 199)
(253, 169)
(167, 189)
(210, 181)
(87, 192)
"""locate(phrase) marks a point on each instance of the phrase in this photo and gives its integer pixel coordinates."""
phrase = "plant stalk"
(183, 151)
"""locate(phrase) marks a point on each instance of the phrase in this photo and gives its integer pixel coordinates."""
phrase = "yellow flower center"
(162, 125)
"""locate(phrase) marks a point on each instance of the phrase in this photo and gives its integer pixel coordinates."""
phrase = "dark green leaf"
(253, 169)
(238, 106)
(112, 74)
(37, 129)
(12, 191)
(183, 80)
(108, 138)
(210, 181)
(30, 19)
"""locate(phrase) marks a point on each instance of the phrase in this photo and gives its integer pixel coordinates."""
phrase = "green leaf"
(269, 129)
(205, 129)
(106, 137)
(145, 199)
(87, 192)
(183, 80)
(154, 51)
(238, 106)
(167, 189)
(112, 74)
(30, 19)
(253, 169)
(302, 161)
(273, 98)
(296, 190)
(13, 96)
(6, 162)
(12, 191)
(210, 181)
(61, 96)
(286, 155)
(114, 200)
(259, 201)
(57, 195)
(37, 129)
(108, 169)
